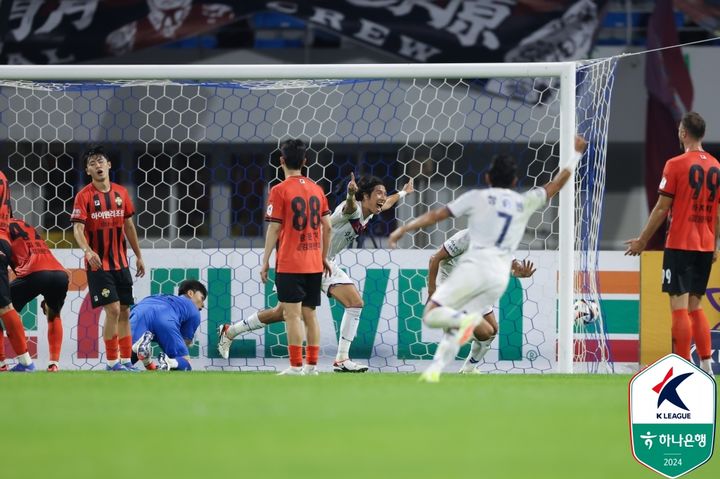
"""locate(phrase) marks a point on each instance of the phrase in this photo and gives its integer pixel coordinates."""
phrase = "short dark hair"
(191, 285)
(694, 124)
(503, 171)
(93, 150)
(294, 153)
(366, 185)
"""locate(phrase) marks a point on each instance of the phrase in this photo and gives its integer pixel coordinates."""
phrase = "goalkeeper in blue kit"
(171, 322)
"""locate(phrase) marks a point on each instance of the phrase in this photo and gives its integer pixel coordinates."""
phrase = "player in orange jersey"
(10, 318)
(689, 195)
(38, 272)
(299, 218)
(102, 217)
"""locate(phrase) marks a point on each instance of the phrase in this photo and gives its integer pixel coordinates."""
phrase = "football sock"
(24, 359)
(681, 333)
(478, 349)
(125, 344)
(701, 333)
(348, 330)
(443, 317)
(55, 337)
(15, 331)
(182, 364)
(312, 355)
(111, 350)
(250, 323)
(446, 351)
(296, 355)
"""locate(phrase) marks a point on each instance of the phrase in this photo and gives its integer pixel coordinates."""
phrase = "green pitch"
(247, 425)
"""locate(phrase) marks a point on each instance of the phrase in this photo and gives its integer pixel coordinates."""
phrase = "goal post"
(440, 122)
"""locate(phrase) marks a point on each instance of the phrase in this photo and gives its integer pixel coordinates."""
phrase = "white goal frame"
(564, 71)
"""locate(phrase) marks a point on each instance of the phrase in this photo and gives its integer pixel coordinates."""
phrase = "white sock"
(444, 317)
(478, 349)
(125, 360)
(50, 363)
(348, 330)
(446, 351)
(172, 363)
(112, 362)
(24, 359)
(706, 365)
(250, 323)
(309, 368)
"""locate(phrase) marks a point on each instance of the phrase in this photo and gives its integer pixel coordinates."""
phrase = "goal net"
(197, 149)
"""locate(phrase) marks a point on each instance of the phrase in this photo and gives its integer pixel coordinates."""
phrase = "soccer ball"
(586, 311)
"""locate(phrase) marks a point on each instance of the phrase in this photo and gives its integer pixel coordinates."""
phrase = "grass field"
(254, 425)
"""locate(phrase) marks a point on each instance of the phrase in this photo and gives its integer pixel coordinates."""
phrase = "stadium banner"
(655, 317)
(391, 336)
(416, 30)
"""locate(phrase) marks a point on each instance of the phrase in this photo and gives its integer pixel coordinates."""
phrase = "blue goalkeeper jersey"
(169, 311)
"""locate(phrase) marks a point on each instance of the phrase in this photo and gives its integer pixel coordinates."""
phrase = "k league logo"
(672, 416)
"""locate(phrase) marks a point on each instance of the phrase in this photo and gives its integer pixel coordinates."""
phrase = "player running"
(365, 199)
(102, 219)
(497, 217)
(442, 264)
(38, 272)
(170, 321)
(9, 316)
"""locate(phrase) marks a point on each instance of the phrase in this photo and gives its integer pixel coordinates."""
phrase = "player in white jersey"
(497, 218)
(365, 199)
(442, 264)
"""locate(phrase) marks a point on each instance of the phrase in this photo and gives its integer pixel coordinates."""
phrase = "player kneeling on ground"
(170, 321)
(37, 272)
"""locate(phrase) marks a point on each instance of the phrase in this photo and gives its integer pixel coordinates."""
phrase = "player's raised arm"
(523, 269)
(565, 173)
(429, 218)
(350, 204)
(395, 197)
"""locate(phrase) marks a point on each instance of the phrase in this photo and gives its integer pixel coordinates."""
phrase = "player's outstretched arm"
(657, 217)
(90, 256)
(429, 218)
(434, 267)
(395, 197)
(132, 237)
(555, 185)
(271, 238)
(523, 269)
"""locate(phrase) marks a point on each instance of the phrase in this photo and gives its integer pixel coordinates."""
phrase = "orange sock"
(125, 347)
(312, 355)
(2, 345)
(701, 333)
(296, 356)
(112, 349)
(15, 332)
(681, 333)
(55, 337)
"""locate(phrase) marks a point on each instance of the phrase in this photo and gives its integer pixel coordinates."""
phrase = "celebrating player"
(689, 197)
(38, 272)
(441, 265)
(8, 314)
(299, 226)
(497, 217)
(171, 321)
(365, 199)
(102, 217)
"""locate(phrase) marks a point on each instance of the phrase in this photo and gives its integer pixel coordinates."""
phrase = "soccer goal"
(197, 147)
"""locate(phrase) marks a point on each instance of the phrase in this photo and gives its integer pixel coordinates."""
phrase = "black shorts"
(302, 288)
(109, 286)
(686, 271)
(53, 286)
(5, 255)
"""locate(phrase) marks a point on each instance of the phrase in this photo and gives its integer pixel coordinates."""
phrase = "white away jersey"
(455, 246)
(345, 228)
(497, 217)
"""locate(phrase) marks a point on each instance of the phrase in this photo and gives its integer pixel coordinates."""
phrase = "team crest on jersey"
(663, 182)
(118, 201)
(105, 292)
(269, 210)
(97, 203)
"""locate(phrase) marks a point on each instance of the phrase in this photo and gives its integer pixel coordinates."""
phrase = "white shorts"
(338, 276)
(490, 274)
